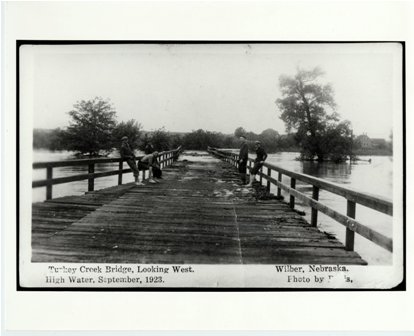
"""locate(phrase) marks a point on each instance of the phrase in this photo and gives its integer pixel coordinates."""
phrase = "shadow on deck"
(198, 214)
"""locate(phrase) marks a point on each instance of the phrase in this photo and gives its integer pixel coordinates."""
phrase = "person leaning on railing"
(150, 162)
(261, 157)
(128, 154)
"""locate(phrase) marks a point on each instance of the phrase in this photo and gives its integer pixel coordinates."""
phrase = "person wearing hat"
(243, 157)
(261, 156)
(150, 162)
(128, 154)
(149, 148)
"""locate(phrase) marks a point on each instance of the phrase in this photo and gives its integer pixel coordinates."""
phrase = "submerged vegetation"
(308, 107)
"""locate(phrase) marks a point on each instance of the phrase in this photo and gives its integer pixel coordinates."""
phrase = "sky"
(216, 87)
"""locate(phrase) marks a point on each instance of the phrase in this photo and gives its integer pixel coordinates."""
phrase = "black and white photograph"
(231, 164)
(206, 167)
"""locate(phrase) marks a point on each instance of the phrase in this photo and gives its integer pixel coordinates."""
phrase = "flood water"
(374, 177)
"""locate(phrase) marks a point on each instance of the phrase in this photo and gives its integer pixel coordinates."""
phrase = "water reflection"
(341, 171)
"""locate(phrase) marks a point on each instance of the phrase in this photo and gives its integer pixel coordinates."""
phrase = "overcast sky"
(215, 87)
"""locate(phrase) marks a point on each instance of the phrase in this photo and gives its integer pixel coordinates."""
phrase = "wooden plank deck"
(198, 214)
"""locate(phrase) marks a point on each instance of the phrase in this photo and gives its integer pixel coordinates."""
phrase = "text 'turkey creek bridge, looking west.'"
(198, 214)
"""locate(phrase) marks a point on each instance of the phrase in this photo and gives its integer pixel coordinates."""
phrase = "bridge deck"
(198, 214)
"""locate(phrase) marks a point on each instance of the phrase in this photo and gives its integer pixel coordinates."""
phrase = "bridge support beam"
(91, 179)
(350, 235)
(292, 198)
(315, 196)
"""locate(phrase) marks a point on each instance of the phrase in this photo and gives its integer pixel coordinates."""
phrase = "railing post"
(269, 174)
(292, 198)
(350, 235)
(49, 176)
(315, 196)
(91, 179)
(279, 190)
(261, 175)
(121, 166)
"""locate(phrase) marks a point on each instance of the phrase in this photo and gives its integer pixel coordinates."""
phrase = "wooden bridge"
(198, 214)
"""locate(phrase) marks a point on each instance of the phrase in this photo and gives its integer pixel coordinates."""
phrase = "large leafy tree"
(91, 126)
(308, 107)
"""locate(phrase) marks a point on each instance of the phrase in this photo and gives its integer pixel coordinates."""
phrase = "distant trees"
(201, 139)
(308, 107)
(91, 127)
(160, 140)
(93, 130)
(270, 138)
(132, 129)
(52, 139)
(240, 131)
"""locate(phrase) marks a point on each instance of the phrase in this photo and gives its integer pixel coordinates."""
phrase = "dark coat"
(244, 152)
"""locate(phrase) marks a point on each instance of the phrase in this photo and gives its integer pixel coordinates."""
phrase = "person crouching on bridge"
(128, 154)
(243, 157)
(150, 162)
(261, 156)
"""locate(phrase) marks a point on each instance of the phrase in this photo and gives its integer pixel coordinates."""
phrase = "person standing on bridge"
(243, 157)
(128, 154)
(261, 156)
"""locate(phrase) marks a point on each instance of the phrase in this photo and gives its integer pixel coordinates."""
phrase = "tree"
(91, 126)
(337, 141)
(308, 107)
(269, 139)
(131, 129)
(160, 140)
(240, 131)
(52, 139)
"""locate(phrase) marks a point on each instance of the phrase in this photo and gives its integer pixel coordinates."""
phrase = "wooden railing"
(352, 197)
(164, 159)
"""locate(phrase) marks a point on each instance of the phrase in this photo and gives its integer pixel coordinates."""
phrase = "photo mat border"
(19, 43)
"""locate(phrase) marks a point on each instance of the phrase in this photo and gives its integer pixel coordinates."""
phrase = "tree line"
(161, 139)
(306, 106)
(93, 130)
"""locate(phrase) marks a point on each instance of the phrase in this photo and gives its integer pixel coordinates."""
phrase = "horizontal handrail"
(353, 197)
(73, 178)
(85, 162)
(165, 158)
(375, 202)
